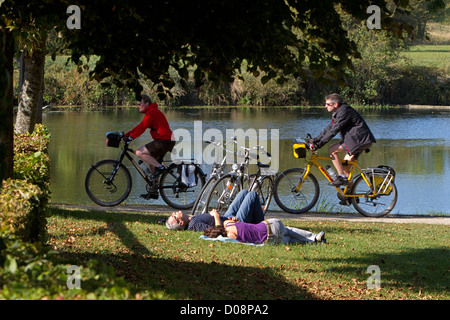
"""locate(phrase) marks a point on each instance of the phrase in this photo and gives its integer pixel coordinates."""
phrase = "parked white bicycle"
(228, 185)
(218, 171)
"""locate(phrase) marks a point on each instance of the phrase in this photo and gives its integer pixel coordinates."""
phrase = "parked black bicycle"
(109, 183)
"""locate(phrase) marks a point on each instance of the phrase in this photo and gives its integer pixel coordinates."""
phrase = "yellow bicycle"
(371, 191)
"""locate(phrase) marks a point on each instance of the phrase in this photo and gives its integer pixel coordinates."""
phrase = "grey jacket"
(354, 130)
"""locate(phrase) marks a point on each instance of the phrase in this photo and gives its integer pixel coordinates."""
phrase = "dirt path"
(354, 217)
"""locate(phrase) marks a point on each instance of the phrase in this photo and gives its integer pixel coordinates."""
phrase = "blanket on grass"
(226, 239)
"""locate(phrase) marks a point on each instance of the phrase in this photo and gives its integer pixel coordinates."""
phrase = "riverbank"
(311, 216)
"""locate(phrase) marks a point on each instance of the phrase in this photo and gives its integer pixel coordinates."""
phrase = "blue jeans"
(246, 207)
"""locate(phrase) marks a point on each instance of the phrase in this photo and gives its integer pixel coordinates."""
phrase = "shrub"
(22, 207)
(24, 199)
(31, 160)
(27, 267)
(27, 271)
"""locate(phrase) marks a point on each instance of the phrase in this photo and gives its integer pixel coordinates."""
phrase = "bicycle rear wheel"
(107, 183)
(175, 193)
(223, 193)
(379, 205)
(264, 188)
(291, 200)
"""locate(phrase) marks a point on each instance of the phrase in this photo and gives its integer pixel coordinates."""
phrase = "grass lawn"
(434, 56)
(413, 259)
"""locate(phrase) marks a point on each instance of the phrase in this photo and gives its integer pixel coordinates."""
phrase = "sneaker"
(340, 181)
(150, 195)
(158, 171)
(320, 237)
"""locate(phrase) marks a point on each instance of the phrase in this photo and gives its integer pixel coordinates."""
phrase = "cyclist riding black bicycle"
(153, 152)
(356, 135)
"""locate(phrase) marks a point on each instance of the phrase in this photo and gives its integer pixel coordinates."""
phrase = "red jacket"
(154, 120)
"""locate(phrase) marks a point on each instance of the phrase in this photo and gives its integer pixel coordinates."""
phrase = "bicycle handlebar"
(252, 155)
(306, 141)
(234, 140)
(220, 146)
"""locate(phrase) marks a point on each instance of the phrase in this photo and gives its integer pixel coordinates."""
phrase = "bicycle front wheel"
(108, 183)
(289, 198)
(374, 206)
(223, 193)
(175, 193)
(200, 204)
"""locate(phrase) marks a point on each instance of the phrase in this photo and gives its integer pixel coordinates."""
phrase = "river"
(415, 143)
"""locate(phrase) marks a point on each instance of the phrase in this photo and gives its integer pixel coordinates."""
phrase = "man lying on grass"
(243, 208)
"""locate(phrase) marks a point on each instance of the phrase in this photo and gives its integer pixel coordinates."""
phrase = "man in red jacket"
(163, 140)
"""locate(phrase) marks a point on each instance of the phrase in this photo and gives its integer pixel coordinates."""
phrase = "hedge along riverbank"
(28, 268)
(24, 199)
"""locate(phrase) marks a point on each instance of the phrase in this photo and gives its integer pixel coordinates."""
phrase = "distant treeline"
(383, 76)
(391, 85)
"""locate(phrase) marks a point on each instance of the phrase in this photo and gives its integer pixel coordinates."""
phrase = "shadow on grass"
(196, 280)
(421, 270)
(401, 264)
(183, 279)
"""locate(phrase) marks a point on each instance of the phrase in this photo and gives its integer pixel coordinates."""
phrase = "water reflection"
(416, 144)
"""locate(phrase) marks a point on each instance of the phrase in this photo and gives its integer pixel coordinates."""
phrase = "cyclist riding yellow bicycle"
(356, 135)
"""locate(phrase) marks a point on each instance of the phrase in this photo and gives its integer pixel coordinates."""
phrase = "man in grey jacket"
(356, 135)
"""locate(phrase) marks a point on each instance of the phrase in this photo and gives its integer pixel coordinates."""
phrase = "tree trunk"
(421, 29)
(31, 90)
(6, 105)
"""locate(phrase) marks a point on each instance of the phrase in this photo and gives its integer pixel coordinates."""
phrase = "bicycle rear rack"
(385, 172)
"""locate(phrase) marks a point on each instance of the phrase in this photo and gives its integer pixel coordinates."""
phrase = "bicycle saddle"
(262, 165)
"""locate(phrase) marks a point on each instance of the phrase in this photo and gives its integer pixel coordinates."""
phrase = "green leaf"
(11, 264)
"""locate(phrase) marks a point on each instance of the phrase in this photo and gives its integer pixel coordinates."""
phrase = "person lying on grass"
(243, 208)
(270, 231)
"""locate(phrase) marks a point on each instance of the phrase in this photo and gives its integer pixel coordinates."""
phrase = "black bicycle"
(108, 182)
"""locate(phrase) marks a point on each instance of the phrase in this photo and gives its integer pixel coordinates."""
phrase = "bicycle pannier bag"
(188, 176)
(113, 139)
(299, 150)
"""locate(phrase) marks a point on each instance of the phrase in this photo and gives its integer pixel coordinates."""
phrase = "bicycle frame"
(218, 168)
(314, 161)
(126, 153)
(242, 170)
(238, 175)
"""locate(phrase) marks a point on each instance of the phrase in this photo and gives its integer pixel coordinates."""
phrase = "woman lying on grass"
(271, 230)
